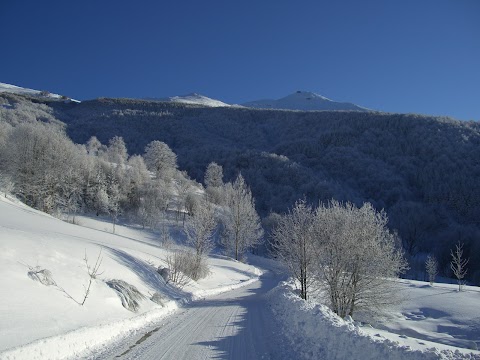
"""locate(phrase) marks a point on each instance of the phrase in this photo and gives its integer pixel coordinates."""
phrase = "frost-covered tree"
(153, 203)
(459, 264)
(114, 206)
(242, 228)
(160, 159)
(199, 229)
(40, 158)
(294, 244)
(6, 184)
(137, 176)
(431, 265)
(117, 151)
(213, 175)
(93, 146)
(357, 257)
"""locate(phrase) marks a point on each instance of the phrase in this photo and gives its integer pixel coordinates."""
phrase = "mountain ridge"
(303, 100)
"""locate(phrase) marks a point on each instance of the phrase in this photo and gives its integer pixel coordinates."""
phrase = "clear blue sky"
(418, 56)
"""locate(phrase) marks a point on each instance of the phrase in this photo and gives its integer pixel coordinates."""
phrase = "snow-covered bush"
(129, 295)
(183, 266)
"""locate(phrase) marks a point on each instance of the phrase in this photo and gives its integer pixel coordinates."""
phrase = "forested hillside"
(424, 171)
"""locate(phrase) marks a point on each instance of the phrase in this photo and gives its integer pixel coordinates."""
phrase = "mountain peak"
(303, 100)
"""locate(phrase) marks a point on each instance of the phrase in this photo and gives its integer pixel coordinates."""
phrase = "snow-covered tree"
(214, 175)
(160, 158)
(93, 146)
(242, 223)
(137, 178)
(117, 151)
(294, 244)
(6, 184)
(459, 264)
(357, 257)
(199, 229)
(431, 265)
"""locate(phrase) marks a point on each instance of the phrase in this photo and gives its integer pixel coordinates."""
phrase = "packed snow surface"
(235, 325)
(303, 100)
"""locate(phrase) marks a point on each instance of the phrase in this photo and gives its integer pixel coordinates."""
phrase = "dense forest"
(423, 171)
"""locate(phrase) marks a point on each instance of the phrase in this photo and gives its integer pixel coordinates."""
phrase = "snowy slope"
(303, 100)
(194, 99)
(23, 91)
(7, 88)
(33, 312)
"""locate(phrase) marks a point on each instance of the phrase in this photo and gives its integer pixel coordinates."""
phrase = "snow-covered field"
(39, 321)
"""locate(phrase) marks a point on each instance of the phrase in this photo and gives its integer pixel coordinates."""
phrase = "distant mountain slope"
(193, 99)
(13, 89)
(303, 100)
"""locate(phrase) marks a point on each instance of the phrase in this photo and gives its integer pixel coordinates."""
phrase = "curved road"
(234, 325)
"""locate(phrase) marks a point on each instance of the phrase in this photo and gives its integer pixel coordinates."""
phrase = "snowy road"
(234, 325)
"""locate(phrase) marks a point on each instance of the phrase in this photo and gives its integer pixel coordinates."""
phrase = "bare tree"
(93, 272)
(431, 265)
(458, 264)
(293, 244)
(242, 223)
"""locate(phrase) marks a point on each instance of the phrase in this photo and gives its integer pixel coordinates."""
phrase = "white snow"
(316, 332)
(7, 88)
(39, 321)
(303, 100)
(436, 313)
(194, 99)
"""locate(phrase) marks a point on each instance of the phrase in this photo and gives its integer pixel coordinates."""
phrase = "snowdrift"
(317, 333)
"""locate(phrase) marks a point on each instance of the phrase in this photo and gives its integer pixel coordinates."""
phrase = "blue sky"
(419, 56)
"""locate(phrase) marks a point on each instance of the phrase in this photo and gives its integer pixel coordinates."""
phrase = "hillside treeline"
(424, 171)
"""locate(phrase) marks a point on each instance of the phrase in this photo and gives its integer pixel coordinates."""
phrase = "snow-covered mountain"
(303, 100)
(25, 91)
(193, 98)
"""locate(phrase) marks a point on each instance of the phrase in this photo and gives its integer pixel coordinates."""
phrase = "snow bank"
(316, 332)
(87, 341)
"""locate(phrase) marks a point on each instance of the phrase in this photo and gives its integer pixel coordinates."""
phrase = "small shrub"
(179, 264)
(129, 295)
